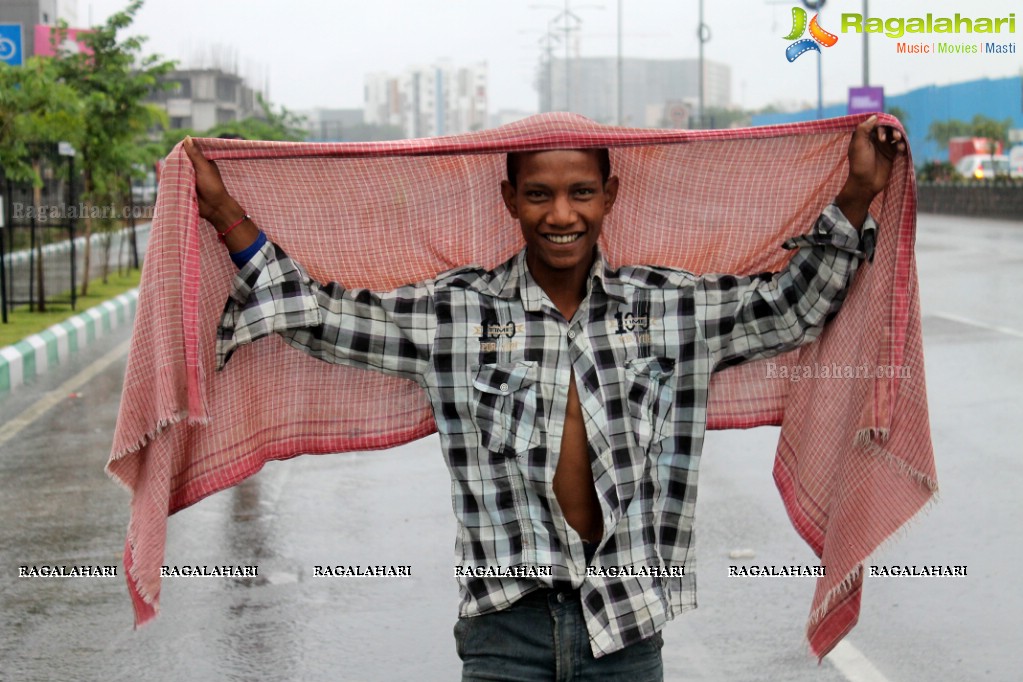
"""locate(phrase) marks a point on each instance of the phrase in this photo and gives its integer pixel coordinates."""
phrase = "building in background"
(330, 125)
(654, 91)
(426, 101)
(505, 116)
(997, 98)
(32, 13)
(202, 98)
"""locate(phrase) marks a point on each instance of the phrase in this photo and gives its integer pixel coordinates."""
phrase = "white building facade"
(428, 101)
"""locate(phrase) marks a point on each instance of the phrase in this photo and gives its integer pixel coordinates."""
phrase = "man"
(570, 398)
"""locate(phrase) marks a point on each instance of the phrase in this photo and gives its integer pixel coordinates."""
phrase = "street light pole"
(820, 76)
(703, 35)
(866, 49)
(621, 115)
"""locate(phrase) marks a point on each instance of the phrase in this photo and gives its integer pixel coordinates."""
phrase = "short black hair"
(603, 160)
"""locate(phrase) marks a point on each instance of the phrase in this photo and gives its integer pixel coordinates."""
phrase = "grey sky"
(315, 52)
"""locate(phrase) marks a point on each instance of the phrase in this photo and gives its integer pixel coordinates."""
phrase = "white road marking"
(978, 324)
(54, 397)
(853, 665)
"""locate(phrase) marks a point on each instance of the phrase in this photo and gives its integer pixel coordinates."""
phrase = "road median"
(34, 355)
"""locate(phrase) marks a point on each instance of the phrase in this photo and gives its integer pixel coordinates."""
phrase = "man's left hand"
(872, 152)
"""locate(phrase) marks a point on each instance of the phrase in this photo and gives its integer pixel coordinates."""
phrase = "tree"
(943, 131)
(37, 111)
(112, 80)
(996, 131)
(899, 113)
(283, 125)
(981, 126)
(36, 108)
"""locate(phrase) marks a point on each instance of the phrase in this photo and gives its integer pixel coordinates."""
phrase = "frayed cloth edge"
(868, 440)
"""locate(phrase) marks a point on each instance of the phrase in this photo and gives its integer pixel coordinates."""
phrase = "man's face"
(560, 200)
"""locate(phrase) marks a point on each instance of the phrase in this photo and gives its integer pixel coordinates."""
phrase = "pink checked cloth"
(854, 458)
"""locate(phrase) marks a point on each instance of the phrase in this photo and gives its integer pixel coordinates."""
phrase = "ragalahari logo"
(818, 36)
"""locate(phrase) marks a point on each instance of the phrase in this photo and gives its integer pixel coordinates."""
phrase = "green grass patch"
(21, 322)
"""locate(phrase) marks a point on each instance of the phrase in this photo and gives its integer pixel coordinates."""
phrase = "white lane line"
(853, 665)
(978, 324)
(54, 397)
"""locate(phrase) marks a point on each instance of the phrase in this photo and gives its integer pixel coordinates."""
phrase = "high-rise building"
(651, 88)
(428, 101)
(202, 98)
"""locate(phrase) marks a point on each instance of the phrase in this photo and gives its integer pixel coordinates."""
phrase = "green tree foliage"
(112, 80)
(899, 113)
(271, 124)
(981, 126)
(36, 110)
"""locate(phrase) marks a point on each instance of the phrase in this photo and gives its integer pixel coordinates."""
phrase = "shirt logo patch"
(632, 328)
(495, 336)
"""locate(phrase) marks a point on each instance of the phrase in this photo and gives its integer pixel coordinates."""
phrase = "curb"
(22, 256)
(34, 355)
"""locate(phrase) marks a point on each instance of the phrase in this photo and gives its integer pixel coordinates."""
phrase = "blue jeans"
(543, 637)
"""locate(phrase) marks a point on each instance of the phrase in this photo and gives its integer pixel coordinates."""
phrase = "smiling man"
(570, 398)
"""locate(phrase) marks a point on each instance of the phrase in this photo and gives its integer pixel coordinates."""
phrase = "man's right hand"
(215, 203)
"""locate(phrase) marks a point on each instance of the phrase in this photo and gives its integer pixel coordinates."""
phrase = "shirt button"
(504, 388)
(561, 597)
(571, 334)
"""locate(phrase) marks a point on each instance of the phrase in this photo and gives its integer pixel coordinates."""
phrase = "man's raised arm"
(745, 318)
(390, 332)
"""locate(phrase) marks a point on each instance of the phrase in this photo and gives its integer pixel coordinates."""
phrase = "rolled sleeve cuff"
(242, 257)
(271, 293)
(833, 229)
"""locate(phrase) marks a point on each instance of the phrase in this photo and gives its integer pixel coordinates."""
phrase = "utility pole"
(703, 34)
(618, 108)
(866, 49)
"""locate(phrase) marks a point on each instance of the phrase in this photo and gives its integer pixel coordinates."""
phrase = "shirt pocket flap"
(505, 378)
(653, 367)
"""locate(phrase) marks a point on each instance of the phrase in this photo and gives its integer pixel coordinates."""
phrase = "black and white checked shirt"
(496, 356)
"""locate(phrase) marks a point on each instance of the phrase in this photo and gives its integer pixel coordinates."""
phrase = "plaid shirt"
(496, 356)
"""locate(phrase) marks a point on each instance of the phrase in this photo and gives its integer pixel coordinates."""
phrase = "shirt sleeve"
(757, 316)
(390, 332)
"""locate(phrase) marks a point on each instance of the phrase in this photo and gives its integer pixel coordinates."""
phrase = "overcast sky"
(316, 52)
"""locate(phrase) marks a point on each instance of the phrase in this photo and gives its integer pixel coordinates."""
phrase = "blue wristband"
(242, 257)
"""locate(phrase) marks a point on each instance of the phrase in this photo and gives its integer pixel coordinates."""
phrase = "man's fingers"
(193, 152)
(196, 156)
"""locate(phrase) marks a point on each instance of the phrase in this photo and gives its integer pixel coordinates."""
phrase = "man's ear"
(610, 192)
(508, 193)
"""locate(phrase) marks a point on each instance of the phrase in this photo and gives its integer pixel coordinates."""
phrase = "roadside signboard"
(865, 100)
(11, 44)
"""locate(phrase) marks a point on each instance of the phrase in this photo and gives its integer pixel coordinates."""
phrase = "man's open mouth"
(562, 238)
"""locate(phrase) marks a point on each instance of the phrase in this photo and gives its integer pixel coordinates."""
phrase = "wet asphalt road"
(393, 507)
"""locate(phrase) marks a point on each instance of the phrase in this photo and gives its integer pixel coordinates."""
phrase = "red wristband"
(223, 235)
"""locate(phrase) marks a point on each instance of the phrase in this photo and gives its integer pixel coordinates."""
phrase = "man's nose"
(562, 213)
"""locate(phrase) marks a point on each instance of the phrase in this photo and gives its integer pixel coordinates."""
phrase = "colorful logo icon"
(818, 36)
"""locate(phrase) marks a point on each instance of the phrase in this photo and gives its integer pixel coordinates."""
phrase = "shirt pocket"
(651, 393)
(505, 407)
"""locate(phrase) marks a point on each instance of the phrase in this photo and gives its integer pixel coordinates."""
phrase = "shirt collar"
(513, 280)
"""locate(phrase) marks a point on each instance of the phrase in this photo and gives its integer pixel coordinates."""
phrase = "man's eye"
(585, 192)
(534, 194)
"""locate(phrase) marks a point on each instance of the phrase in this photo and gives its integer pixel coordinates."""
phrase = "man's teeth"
(563, 238)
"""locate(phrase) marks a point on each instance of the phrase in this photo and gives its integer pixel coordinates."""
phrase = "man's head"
(514, 159)
(560, 198)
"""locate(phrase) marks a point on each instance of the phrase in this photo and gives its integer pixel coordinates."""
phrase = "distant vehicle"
(959, 147)
(983, 166)
(1016, 161)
